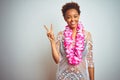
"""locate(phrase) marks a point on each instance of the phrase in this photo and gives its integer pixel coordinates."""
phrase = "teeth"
(72, 22)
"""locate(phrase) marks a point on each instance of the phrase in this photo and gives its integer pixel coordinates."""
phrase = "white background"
(25, 52)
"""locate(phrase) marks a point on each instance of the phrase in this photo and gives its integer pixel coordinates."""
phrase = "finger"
(49, 34)
(51, 28)
(46, 28)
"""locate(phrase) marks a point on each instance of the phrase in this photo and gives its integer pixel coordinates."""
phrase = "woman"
(73, 49)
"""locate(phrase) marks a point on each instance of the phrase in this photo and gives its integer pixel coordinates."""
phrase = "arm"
(91, 72)
(50, 36)
(90, 57)
(55, 53)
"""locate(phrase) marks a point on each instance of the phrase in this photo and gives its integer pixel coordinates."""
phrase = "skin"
(51, 37)
(72, 18)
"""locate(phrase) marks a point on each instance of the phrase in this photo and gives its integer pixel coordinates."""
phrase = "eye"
(68, 17)
(75, 16)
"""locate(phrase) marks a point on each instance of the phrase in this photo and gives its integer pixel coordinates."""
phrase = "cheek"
(77, 19)
(68, 20)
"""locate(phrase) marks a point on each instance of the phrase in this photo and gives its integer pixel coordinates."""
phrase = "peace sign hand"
(50, 33)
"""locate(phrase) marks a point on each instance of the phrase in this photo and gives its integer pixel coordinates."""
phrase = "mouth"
(72, 23)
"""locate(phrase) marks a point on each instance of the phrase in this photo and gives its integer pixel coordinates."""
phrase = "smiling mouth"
(72, 23)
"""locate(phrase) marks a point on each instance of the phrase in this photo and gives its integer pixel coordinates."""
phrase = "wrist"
(52, 41)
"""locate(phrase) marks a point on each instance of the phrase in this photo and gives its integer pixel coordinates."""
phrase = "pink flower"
(74, 53)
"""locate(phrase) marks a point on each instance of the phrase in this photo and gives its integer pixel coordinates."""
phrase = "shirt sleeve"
(90, 60)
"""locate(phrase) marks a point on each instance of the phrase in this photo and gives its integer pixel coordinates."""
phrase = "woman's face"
(72, 18)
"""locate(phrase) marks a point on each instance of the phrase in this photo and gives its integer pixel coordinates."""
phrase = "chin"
(73, 26)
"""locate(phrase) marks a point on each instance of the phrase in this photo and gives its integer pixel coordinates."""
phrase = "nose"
(72, 19)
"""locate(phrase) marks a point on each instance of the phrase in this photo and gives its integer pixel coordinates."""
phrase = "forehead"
(71, 12)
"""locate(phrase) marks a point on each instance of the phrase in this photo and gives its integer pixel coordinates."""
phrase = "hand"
(50, 33)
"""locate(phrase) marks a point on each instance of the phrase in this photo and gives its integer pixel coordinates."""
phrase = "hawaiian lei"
(74, 53)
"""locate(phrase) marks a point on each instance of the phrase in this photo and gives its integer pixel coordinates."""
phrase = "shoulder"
(87, 35)
(59, 35)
